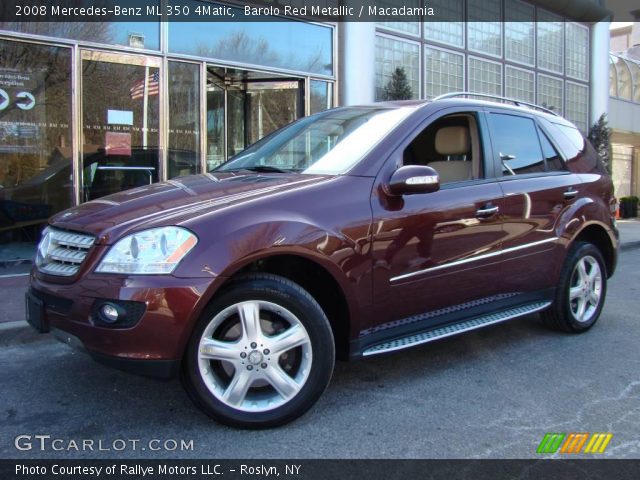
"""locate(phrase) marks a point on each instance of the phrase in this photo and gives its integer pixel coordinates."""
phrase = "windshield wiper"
(263, 168)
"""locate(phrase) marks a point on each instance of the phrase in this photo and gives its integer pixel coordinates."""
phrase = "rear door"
(538, 189)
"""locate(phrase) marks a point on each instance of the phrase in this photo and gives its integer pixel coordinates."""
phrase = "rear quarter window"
(554, 161)
(569, 139)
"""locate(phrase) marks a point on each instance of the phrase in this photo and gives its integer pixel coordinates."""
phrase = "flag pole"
(145, 105)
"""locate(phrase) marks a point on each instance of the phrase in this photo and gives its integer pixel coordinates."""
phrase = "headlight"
(154, 251)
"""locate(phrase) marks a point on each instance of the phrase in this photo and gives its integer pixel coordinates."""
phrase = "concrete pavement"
(629, 233)
(492, 393)
(12, 288)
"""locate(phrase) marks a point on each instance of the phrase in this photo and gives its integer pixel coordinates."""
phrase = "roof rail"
(517, 103)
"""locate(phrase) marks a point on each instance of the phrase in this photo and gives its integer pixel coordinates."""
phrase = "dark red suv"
(353, 232)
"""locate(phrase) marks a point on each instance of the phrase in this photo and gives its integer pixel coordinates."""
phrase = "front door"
(120, 122)
(435, 254)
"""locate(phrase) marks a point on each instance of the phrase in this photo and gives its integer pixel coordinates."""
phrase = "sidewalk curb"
(630, 246)
(18, 332)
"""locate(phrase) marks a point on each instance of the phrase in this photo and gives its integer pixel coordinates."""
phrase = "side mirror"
(412, 179)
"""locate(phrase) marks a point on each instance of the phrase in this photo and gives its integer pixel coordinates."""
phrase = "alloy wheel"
(585, 291)
(255, 356)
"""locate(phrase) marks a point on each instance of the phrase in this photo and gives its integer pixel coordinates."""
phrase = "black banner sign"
(266, 10)
(317, 469)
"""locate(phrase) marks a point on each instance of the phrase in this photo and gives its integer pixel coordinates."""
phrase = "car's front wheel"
(581, 291)
(261, 354)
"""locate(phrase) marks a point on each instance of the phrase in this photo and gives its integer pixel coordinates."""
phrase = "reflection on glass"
(184, 119)
(119, 126)
(517, 142)
(284, 44)
(235, 121)
(35, 141)
(215, 124)
(329, 143)
(321, 96)
(270, 105)
(392, 54)
(129, 34)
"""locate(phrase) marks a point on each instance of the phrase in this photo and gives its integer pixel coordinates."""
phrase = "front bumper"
(163, 369)
(153, 346)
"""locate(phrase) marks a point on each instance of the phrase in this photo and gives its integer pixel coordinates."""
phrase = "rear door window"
(515, 141)
(551, 155)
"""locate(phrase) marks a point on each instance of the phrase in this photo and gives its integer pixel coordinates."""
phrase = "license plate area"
(35, 313)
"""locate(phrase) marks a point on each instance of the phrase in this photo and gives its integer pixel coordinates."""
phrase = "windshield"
(328, 143)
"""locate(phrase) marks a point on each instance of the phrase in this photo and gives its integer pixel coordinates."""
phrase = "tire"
(260, 374)
(581, 291)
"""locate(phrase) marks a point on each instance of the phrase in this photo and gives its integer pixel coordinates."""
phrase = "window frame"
(483, 136)
(537, 126)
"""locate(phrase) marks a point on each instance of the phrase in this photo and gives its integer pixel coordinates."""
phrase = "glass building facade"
(532, 55)
(624, 78)
(89, 109)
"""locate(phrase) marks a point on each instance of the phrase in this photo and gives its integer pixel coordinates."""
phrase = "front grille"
(61, 252)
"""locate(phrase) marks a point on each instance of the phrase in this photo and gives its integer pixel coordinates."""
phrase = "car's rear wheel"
(261, 354)
(581, 291)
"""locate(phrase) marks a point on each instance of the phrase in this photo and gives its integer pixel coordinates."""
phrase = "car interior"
(450, 145)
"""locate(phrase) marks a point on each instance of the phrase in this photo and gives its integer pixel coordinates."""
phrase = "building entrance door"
(244, 106)
(119, 146)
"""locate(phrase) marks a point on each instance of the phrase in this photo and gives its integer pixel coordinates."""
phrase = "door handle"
(570, 193)
(487, 211)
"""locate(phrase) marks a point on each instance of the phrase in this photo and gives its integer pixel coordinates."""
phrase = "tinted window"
(569, 139)
(451, 146)
(516, 140)
(551, 156)
(327, 143)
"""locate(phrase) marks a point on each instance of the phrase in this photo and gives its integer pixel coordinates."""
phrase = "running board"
(455, 328)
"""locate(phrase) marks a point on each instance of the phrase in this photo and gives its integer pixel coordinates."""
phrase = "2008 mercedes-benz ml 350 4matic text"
(353, 232)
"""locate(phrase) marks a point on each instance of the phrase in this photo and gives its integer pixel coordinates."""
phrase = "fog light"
(116, 313)
(109, 313)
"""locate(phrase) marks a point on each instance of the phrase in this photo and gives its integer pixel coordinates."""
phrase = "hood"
(173, 202)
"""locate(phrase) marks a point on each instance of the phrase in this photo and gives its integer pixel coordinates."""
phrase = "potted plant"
(628, 207)
(633, 200)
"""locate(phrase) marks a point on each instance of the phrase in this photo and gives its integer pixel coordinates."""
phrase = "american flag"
(153, 86)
